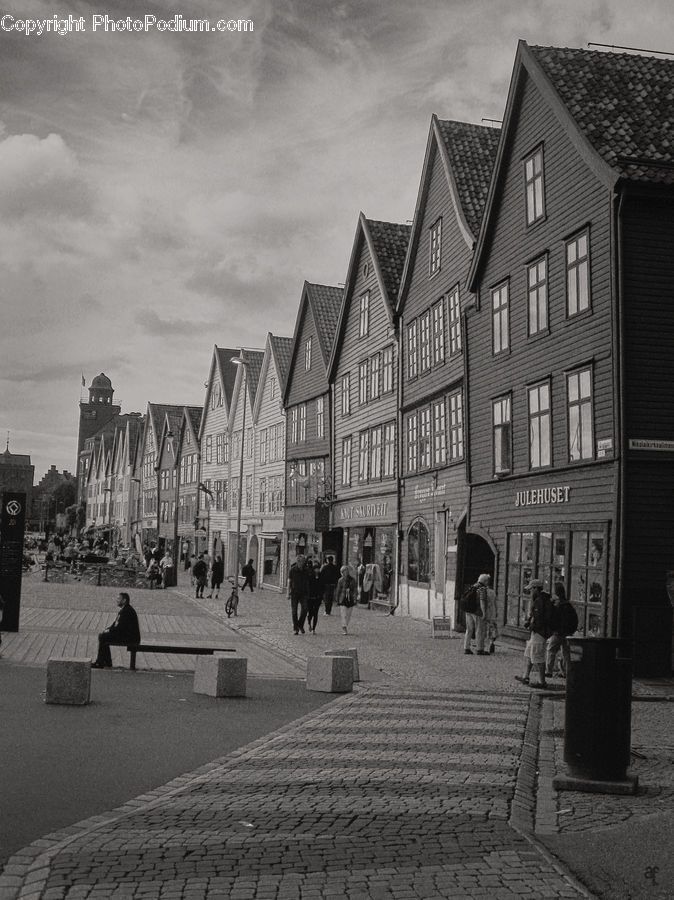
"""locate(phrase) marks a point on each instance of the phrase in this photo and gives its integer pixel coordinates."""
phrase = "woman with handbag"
(345, 595)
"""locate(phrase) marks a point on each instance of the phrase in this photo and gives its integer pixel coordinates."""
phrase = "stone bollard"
(330, 674)
(353, 653)
(221, 676)
(68, 681)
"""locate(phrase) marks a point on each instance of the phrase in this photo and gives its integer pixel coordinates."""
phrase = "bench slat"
(173, 648)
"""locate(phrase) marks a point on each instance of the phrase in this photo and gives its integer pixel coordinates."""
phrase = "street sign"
(12, 527)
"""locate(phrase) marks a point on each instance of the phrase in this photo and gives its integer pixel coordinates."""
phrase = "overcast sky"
(164, 192)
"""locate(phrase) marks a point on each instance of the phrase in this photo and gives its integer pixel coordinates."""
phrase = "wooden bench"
(173, 648)
(382, 602)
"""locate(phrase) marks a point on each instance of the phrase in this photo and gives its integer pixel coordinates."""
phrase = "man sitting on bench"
(124, 630)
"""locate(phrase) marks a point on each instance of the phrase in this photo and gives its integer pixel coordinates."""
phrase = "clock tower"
(95, 414)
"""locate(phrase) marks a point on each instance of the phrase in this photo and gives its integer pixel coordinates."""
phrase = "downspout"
(619, 406)
(397, 571)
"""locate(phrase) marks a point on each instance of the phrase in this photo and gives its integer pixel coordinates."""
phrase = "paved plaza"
(433, 779)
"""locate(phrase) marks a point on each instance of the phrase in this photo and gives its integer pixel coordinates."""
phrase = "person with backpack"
(474, 605)
(539, 623)
(200, 573)
(248, 573)
(564, 623)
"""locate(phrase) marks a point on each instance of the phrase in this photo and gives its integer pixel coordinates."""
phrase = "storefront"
(270, 559)
(369, 544)
(557, 530)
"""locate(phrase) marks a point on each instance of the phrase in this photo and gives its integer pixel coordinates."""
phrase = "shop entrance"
(475, 556)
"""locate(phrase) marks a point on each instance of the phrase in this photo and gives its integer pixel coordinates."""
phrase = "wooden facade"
(432, 301)
(189, 528)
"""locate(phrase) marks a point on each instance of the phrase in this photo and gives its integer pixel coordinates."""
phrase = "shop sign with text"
(543, 496)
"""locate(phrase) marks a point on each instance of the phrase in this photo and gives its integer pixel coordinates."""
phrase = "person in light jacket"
(346, 594)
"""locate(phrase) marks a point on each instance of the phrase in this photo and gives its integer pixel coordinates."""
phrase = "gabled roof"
(282, 348)
(158, 414)
(323, 302)
(467, 153)
(254, 359)
(622, 102)
(193, 415)
(387, 243)
(618, 109)
(223, 369)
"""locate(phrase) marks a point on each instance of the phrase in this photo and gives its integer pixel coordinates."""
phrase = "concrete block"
(221, 676)
(330, 674)
(353, 653)
(68, 681)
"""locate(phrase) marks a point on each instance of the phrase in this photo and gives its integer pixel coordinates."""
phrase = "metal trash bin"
(598, 715)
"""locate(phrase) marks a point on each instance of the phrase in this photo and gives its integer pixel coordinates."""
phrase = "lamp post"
(240, 361)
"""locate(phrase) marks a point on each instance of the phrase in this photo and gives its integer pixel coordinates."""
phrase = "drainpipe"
(619, 406)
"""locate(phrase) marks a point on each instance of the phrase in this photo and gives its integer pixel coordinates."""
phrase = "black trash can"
(598, 716)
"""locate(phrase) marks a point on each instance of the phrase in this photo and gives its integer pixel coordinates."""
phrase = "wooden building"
(307, 400)
(433, 296)
(191, 523)
(155, 420)
(570, 360)
(363, 378)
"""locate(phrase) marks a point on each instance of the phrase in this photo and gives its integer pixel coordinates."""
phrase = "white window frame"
(534, 186)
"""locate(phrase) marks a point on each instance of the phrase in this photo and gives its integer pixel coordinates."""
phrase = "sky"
(162, 192)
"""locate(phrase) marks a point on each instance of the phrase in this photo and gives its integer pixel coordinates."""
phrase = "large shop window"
(418, 554)
(577, 558)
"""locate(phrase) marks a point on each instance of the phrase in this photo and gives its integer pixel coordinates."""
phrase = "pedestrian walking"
(200, 572)
(490, 616)
(298, 588)
(329, 578)
(248, 573)
(190, 566)
(539, 623)
(166, 566)
(346, 594)
(124, 630)
(564, 623)
(315, 595)
(474, 604)
(153, 573)
(217, 575)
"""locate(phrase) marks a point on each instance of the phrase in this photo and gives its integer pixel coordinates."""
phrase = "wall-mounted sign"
(425, 493)
(645, 444)
(604, 448)
(543, 496)
(12, 525)
(366, 512)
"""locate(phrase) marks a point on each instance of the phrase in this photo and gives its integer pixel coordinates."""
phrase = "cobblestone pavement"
(430, 781)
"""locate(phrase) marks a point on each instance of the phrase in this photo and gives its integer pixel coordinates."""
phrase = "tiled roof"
(472, 151)
(390, 242)
(228, 370)
(325, 301)
(283, 350)
(623, 103)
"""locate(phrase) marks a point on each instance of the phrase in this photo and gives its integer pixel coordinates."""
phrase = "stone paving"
(429, 781)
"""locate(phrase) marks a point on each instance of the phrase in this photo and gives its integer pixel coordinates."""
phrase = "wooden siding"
(355, 350)
(574, 198)
(313, 445)
(424, 290)
(215, 422)
(304, 385)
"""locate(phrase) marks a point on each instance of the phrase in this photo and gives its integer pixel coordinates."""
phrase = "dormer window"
(435, 247)
(534, 186)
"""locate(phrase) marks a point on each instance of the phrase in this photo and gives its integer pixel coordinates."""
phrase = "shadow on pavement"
(62, 764)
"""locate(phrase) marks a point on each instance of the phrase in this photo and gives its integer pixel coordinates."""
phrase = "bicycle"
(232, 604)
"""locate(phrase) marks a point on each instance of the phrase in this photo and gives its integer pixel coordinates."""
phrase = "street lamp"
(240, 361)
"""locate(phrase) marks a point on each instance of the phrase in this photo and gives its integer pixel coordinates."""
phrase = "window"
(302, 431)
(375, 372)
(249, 492)
(294, 419)
(412, 363)
(578, 274)
(250, 443)
(537, 294)
(579, 391)
(362, 383)
(425, 342)
(438, 312)
(218, 447)
(307, 355)
(263, 495)
(346, 394)
(236, 445)
(576, 558)
(363, 449)
(364, 320)
(387, 370)
(539, 426)
(209, 448)
(346, 461)
(320, 417)
(389, 449)
(225, 448)
(456, 426)
(501, 425)
(439, 433)
(263, 446)
(435, 247)
(272, 388)
(499, 312)
(424, 438)
(412, 447)
(533, 180)
(375, 452)
(418, 553)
